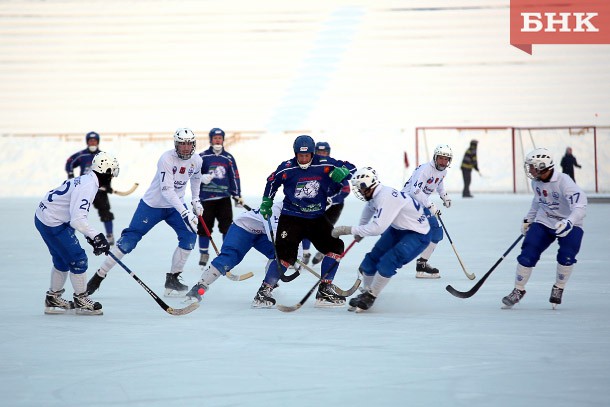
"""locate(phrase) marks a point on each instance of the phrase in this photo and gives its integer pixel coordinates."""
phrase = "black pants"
(334, 212)
(218, 209)
(467, 175)
(102, 204)
(291, 230)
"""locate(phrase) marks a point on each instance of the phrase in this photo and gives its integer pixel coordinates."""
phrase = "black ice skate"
(173, 285)
(263, 298)
(203, 259)
(364, 301)
(84, 306)
(94, 283)
(55, 304)
(306, 257)
(513, 298)
(193, 294)
(326, 296)
(317, 258)
(424, 270)
(556, 294)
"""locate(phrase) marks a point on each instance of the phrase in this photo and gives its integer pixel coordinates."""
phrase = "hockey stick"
(162, 304)
(469, 275)
(291, 308)
(245, 206)
(343, 293)
(228, 274)
(283, 275)
(125, 193)
(473, 290)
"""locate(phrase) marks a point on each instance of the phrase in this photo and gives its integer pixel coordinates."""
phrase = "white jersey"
(168, 186)
(558, 199)
(388, 207)
(424, 181)
(70, 203)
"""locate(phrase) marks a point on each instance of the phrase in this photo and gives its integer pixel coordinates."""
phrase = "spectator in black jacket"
(568, 162)
(469, 162)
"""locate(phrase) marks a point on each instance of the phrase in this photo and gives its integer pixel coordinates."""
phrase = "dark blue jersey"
(81, 159)
(338, 192)
(305, 190)
(226, 181)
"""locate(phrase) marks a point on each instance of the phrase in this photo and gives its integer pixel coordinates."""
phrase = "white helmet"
(363, 180)
(442, 150)
(104, 163)
(183, 137)
(537, 162)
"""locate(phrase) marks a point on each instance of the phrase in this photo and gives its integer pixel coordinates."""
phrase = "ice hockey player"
(557, 212)
(306, 181)
(403, 225)
(83, 159)
(219, 182)
(164, 201)
(426, 179)
(62, 211)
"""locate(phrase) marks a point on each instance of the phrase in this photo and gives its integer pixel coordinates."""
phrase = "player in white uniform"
(403, 225)
(557, 212)
(249, 230)
(62, 211)
(164, 201)
(426, 179)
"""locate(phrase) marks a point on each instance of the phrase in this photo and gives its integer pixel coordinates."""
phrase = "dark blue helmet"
(322, 146)
(216, 132)
(91, 135)
(304, 144)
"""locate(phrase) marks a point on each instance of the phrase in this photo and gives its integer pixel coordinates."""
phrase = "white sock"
(366, 281)
(563, 275)
(109, 263)
(79, 282)
(179, 260)
(210, 275)
(58, 279)
(522, 275)
(428, 251)
(379, 283)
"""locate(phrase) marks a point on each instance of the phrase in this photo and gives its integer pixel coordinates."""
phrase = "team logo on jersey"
(182, 170)
(271, 177)
(191, 170)
(430, 180)
(284, 234)
(174, 170)
(555, 196)
(326, 170)
(219, 172)
(545, 193)
(307, 189)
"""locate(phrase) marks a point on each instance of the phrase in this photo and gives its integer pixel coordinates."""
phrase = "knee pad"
(527, 259)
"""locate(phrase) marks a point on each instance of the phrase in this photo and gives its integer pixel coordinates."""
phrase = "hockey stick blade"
(129, 191)
(343, 293)
(183, 311)
(475, 288)
(239, 277)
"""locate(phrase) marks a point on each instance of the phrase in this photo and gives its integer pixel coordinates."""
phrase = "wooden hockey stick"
(245, 206)
(469, 275)
(229, 275)
(162, 304)
(125, 193)
(475, 288)
(343, 293)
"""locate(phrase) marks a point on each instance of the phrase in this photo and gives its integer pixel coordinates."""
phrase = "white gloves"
(190, 220)
(341, 230)
(446, 201)
(239, 201)
(525, 226)
(433, 209)
(197, 208)
(207, 178)
(562, 228)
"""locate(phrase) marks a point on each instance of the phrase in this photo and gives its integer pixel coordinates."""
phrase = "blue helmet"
(217, 132)
(304, 144)
(91, 135)
(322, 146)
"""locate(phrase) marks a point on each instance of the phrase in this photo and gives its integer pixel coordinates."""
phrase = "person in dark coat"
(568, 162)
(469, 162)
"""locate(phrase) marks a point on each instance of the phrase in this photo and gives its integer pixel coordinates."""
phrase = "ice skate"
(353, 302)
(55, 304)
(173, 285)
(263, 298)
(513, 298)
(326, 296)
(317, 258)
(556, 294)
(424, 270)
(194, 293)
(203, 259)
(94, 283)
(306, 257)
(84, 306)
(364, 301)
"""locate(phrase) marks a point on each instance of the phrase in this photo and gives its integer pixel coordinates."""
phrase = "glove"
(197, 208)
(562, 228)
(99, 243)
(239, 201)
(358, 238)
(341, 230)
(525, 226)
(190, 220)
(339, 174)
(446, 201)
(207, 178)
(433, 209)
(107, 189)
(265, 208)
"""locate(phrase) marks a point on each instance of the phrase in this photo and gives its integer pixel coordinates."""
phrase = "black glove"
(100, 244)
(108, 189)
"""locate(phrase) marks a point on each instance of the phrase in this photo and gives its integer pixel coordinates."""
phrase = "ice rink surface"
(417, 346)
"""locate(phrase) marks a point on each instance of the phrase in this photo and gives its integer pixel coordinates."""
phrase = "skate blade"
(351, 309)
(359, 310)
(324, 304)
(80, 311)
(190, 300)
(554, 305)
(507, 306)
(262, 306)
(421, 274)
(56, 311)
(170, 292)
